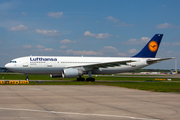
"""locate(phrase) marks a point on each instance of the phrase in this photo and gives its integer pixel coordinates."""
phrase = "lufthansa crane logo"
(153, 46)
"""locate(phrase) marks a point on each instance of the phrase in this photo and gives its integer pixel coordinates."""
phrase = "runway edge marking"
(69, 113)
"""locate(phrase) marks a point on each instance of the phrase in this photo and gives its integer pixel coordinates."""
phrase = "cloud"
(145, 39)
(170, 52)
(122, 54)
(164, 26)
(164, 5)
(40, 46)
(124, 24)
(49, 33)
(7, 5)
(67, 41)
(119, 24)
(136, 41)
(23, 13)
(109, 49)
(87, 33)
(112, 19)
(3, 12)
(55, 15)
(18, 28)
(176, 44)
(27, 46)
(83, 52)
(48, 49)
(63, 47)
(132, 51)
(170, 44)
(105, 51)
(98, 36)
(103, 35)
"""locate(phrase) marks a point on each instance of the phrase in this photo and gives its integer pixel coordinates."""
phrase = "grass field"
(150, 86)
(109, 78)
(141, 83)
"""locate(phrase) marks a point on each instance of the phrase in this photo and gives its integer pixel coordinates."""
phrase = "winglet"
(151, 48)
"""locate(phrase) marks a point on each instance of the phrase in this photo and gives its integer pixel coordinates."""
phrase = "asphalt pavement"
(74, 102)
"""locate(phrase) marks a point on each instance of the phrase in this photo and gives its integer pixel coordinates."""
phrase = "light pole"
(176, 65)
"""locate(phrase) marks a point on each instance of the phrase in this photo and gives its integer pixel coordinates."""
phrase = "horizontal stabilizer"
(149, 61)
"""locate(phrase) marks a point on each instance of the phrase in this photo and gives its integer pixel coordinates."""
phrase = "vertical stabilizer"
(151, 48)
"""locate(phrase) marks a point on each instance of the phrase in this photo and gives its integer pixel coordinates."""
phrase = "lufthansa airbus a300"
(71, 67)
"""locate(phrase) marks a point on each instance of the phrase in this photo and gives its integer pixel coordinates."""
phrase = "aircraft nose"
(7, 65)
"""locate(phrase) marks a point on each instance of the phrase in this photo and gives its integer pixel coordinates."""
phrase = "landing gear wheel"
(80, 79)
(90, 79)
(26, 77)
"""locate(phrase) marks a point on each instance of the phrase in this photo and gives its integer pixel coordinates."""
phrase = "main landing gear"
(90, 78)
(80, 79)
(87, 79)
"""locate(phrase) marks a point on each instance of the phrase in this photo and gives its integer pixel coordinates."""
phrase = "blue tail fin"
(150, 50)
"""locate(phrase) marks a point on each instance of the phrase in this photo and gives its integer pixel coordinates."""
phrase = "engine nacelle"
(55, 75)
(71, 73)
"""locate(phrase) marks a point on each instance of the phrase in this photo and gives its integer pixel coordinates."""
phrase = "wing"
(109, 64)
(149, 61)
(106, 64)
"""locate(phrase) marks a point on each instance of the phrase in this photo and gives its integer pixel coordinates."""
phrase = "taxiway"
(70, 102)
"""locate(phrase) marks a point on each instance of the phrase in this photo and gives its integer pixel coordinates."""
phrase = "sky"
(106, 28)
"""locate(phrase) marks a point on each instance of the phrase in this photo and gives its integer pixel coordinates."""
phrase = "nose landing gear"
(26, 77)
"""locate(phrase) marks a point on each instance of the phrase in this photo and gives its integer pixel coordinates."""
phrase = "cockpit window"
(12, 61)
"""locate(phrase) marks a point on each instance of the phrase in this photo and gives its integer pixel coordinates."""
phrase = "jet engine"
(71, 73)
(55, 75)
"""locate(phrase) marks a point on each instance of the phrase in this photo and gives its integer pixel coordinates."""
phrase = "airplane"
(72, 67)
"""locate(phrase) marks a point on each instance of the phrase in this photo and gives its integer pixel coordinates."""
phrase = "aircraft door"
(25, 63)
(49, 64)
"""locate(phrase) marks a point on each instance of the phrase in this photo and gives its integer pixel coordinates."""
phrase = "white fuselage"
(55, 64)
